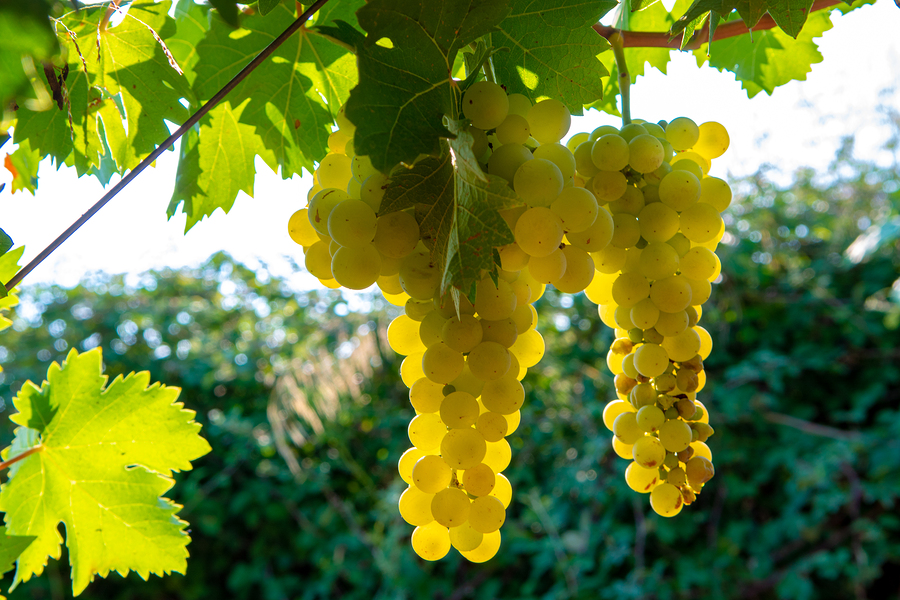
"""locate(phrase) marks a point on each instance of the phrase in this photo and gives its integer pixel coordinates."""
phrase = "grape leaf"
(9, 266)
(267, 6)
(11, 546)
(457, 209)
(553, 50)
(191, 25)
(772, 58)
(129, 83)
(24, 31)
(405, 91)
(5, 244)
(23, 164)
(789, 15)
(213, 169)
(292, 95)
(107, 456)
(228, 10)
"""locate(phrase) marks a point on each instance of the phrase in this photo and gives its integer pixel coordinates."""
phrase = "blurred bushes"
(300, 398)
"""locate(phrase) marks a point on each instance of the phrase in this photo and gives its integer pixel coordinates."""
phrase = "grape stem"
(8, 463)
(488, 68)
(662, 39)
(616, 40)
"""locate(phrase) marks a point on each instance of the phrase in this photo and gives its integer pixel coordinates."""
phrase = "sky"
(801, 124)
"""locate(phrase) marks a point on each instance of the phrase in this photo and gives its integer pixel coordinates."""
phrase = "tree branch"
(662, 39)
(8, 463)
(812, 428)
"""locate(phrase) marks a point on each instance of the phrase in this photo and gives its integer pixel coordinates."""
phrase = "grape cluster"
(590, 209)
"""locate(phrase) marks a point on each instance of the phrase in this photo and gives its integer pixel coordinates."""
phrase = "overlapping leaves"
(106, 457)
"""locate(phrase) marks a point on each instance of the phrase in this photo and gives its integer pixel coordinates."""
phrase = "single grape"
(650, 418)
(426, 396)
(318, 261)
(700, 222)
(493, 426)
(631, 201)
(559, 155)
(415, 506)
(626, 231)
(630, 288)
(504, 395)
(644, 314)
(679, 190)
(651, 360)
(450, 507)
(464, 538)
(645, 153)
(490, 544)
(597, 236)
(538, 182)
(713, 140)
(699, 470)
(666, 500)
(610, 152)
(487, 514)
(671, 294)
(671, 324)
(608, 185)
(529, 348)
(682, 133)
(479, 481)
(716, 192)
(658, 261)
(626, 429)
(683, 346)
(426, 432)
(431, 474)
(403, 336)
(506, 160)
(539, 231)
(334, 171)
(584, 162)
(549, 120)
(459, 410)
(442, 364)
(322, 204)
(396, 234)
(498, 455)
(579, 271)
(698, 263)
(675, 435)
(519, 104)
(351, 224)
(640, 479)
(407, 463)
(463, 448)
(485, 104)
(648, 452)
(513, 130)
(419, 276)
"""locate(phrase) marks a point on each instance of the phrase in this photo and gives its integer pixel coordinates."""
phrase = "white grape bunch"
(578, 220)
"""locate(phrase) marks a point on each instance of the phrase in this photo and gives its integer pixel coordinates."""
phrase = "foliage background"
(300, 398)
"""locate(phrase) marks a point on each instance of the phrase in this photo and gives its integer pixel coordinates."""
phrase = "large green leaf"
(292, 96)
(11, 546)
(191, 25)
(772, 58)
(9, 266)
(457, 208)
(107, 456)
(23, 164)
(129, 83)
(405, 91)
(553, 51)
(220, 164)
(24, 32)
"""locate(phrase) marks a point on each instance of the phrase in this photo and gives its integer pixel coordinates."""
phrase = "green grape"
(683, 346)
(442, 364)
(302, 231)
(648, 452)
(584, 162)
(372, 190)
(485, 104)
(613, 410)
(519, 104)
(513, 421)
(644, 314)
(411, 369)
(334, 171)
(681, 244)
(513, 130)
(608, 185)
(699, 470)
(654, 130)
(459, 410)
(610, 260)
(486, 551)
(426, 396)
(631, 202)
(653, 178)
(464, 538)
(675, 435)
(493, 426)
(538, 182)
(621, 449)
(538, 231)
(524, 317)
(713, 140)
(626, 231)
(403, 336)
(576, 208)
(337, 141)
(529, 348)
(626, 429)
(547, 269)
(389, 284)
(643, 395)
(579, 271)
(407, 463)
(677, 477)
(700, 222)
(494, 302)
(610, 152)
(419, 276)
(640, 479)
(630, 288)
(415, 506)
(462, 333)
(679, 190)
(631, 131)
(599, 132)
(549, 120)
(431, 542)
(506, 160)
(698, 263)
(356, 268)
(666, 500)
(343, 123)
(650, 418)
(623, 320)
(489, 361)
(321, 205)
(396, 234)
(706, 342)
(479, 481)
(512, 257)
(431, 474)
(504, 395)
(693, 313)
(450, 507)
(671, 294)
(682, 133)
(426, 431)
(716, 192)
(658, 261)
(487, 514)
(559, 155)
(671, 324)
(645, 153)
(701, 290)
(502, 331)
(362, 167)
(351, 224)
(577, 139)
(688, 165)
(498, 455)
(651, 360)
(466, 382)
(318, 260)
(597, 236)
(462, 448)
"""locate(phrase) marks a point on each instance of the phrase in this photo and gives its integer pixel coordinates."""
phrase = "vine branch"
(616, 40)
(8, 463)
(662, 39)
(169, 141)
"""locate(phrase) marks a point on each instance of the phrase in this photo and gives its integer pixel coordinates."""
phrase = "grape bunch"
(464, 360)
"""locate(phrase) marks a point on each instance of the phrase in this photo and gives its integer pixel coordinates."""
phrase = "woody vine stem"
(617, 42)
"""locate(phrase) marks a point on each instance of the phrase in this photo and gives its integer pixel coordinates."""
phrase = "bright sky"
(800, 124)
